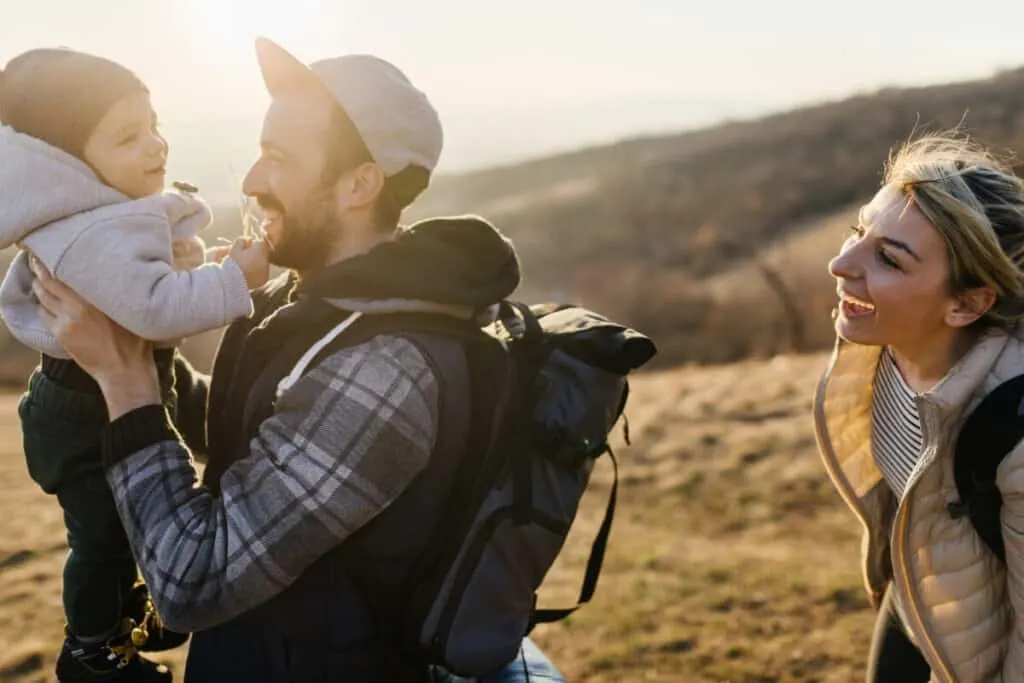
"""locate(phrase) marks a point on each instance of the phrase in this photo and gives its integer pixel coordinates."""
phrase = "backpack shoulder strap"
(313, 352)
(358, 328)
(991, 431)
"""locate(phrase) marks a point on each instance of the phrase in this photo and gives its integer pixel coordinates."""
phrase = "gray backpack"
(560, 386)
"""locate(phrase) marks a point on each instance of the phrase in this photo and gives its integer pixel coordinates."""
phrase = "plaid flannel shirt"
(342, 444)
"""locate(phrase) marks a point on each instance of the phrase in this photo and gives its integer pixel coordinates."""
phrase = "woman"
(931, 294)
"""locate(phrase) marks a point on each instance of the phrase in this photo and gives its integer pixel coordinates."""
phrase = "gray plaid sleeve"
(343, 443)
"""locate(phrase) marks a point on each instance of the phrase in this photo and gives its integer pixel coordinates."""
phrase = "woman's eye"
(888, 260)
(857, 230)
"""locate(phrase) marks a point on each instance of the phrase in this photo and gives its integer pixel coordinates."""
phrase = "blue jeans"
(532, 665)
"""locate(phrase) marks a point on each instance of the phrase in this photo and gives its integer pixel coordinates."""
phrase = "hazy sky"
(513, 79)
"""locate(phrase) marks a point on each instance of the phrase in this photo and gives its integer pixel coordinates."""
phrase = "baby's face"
(127, 150)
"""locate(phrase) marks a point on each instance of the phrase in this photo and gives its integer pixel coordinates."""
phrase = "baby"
(82, 177)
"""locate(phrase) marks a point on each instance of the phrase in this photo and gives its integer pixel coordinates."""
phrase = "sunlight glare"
(235, 24)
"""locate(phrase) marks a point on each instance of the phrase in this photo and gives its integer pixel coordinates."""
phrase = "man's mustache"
(269, 202)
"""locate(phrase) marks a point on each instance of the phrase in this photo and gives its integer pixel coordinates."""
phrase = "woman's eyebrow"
(864, 220)
(902, 246)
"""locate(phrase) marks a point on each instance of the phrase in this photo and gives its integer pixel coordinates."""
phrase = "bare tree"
(796, 329)
(793, 316)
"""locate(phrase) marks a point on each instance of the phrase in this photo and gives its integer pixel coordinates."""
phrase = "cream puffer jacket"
(965, 611)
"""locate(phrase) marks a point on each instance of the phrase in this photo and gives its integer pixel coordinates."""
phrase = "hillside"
(634, 228)
(731, 558)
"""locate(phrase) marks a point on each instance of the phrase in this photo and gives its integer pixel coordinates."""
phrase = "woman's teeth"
(856, 308)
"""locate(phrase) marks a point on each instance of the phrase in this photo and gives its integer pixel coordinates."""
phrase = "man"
(290, 561)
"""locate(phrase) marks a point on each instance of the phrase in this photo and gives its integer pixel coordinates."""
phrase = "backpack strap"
(289, 380)
(597, 550)
(359, 328)
(991, 431)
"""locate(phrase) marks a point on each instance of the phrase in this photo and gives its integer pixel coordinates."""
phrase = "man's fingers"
(49, 320)
(54, 294)
(37, 267)
(46, 298)
(54, 286)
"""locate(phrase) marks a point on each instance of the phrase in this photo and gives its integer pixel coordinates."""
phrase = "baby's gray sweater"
(114, 251)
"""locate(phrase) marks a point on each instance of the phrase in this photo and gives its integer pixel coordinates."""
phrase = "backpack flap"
(595, 340)
(582, 386)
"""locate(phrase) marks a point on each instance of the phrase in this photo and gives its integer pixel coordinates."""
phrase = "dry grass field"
(731, 558)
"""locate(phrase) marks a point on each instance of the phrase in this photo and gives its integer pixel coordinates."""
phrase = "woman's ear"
(969, 306)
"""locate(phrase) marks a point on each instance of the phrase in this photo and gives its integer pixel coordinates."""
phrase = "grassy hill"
(697, 200)
(731, 558)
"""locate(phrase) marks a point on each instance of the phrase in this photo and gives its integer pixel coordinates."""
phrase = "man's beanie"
(59, 96)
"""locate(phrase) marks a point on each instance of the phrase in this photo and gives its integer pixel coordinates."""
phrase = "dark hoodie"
(271, 572)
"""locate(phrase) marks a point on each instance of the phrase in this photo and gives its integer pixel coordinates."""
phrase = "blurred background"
(685, 167)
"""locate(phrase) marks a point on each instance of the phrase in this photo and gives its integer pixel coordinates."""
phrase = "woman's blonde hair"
(977, 205)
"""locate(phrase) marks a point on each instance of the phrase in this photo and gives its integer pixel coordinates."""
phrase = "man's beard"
(308, 234)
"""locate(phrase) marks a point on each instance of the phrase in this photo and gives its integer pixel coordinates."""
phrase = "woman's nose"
(844, 264)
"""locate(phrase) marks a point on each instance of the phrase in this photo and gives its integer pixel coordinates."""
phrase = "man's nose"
(253, 184)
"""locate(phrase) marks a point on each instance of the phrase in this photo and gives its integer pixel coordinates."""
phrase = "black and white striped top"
(895, 425)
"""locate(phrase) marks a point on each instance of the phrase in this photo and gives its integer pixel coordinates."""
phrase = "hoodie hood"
(459, 264)
(40, 184)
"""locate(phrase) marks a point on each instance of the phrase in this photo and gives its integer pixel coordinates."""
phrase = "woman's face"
(892, 276)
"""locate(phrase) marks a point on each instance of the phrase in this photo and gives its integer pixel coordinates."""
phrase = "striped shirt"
(895, 426)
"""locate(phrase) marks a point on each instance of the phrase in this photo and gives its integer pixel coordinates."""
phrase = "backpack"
(991, 431)
(559, 389)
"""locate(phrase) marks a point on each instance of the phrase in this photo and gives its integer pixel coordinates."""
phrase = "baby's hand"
(253, 258)
(218, 253)
(188, 253)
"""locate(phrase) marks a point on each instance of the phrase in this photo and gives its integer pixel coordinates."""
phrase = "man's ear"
(969, 306)
(361, 186)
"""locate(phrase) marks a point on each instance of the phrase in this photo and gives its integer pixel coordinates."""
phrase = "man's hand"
(120, 362)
